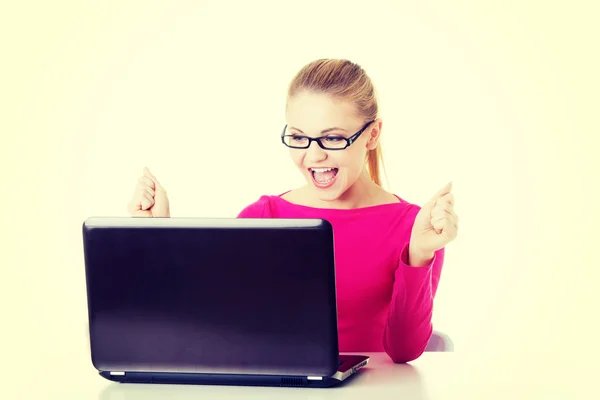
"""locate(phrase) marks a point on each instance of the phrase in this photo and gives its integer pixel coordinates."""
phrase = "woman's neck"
(363, 193)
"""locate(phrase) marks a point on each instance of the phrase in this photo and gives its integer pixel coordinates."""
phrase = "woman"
(389, 252)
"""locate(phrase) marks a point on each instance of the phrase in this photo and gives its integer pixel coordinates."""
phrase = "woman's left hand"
(435, 226)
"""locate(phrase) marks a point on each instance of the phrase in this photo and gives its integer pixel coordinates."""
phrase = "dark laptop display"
(213, 301)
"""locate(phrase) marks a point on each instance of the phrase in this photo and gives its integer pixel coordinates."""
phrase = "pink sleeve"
(409, 326)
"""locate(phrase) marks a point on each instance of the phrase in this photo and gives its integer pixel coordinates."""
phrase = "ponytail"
(374, 162)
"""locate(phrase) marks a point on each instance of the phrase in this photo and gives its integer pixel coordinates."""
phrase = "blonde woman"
(389, 252)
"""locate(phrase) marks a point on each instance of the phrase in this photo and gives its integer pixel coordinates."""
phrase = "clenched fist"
(435, 226)
(149, 199)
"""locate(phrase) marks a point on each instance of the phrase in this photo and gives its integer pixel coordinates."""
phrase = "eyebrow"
(325, 131)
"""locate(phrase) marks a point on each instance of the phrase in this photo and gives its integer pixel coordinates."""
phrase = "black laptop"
(225, 301)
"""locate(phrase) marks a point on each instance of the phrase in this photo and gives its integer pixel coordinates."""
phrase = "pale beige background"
(500, 97)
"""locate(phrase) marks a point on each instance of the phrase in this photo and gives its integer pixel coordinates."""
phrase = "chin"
(327, 196)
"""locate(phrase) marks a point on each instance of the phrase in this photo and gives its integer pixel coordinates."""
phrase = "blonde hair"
(346, 80)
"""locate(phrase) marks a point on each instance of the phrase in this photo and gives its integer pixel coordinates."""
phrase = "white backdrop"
(495, 97)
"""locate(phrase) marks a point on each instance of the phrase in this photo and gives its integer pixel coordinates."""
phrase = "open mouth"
(323, 177)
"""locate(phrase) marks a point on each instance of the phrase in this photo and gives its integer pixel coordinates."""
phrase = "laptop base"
(350, 364)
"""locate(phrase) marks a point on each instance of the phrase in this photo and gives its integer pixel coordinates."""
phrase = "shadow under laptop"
(399, 381)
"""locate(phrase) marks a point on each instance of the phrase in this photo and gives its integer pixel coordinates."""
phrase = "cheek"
(297, 157)
(352, 163)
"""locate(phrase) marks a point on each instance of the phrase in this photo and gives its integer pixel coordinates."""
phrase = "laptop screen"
(221, 299)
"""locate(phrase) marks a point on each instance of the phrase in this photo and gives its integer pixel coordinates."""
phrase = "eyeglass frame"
(349, 141)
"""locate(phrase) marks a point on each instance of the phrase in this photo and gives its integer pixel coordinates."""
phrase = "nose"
(315, 153)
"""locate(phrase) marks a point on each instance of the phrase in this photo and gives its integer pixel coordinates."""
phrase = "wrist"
(419, 257)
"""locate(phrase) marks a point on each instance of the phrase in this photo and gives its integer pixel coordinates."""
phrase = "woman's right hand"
(149, 199)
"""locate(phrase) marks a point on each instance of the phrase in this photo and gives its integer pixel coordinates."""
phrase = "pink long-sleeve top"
(384, 304)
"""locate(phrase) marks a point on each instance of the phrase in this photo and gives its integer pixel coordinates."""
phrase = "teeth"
(321, 169)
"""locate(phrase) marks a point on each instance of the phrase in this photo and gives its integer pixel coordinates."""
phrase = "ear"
(374, 133)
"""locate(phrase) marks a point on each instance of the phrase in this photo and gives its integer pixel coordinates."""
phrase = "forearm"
(409, 327)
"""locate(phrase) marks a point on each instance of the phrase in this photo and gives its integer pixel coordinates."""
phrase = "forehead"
(310, 111)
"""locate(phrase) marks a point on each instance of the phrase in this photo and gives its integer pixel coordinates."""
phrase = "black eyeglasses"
(325, 142)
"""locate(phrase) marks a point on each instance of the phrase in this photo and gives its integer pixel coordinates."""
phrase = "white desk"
(433, 376)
